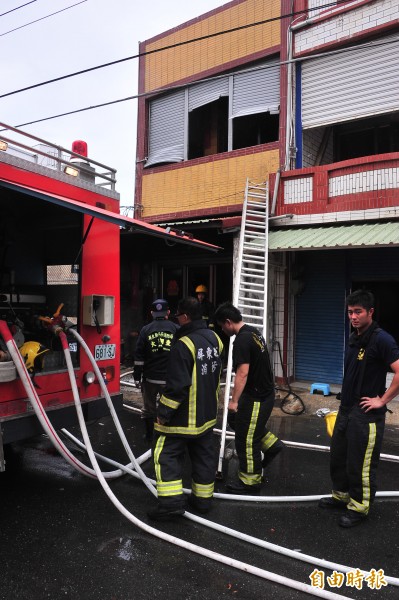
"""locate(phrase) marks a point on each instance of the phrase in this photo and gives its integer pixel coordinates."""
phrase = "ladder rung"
(251, 291)
(251, 288)
(244, 304)
(247, 269)
(249, 272)
(257, 256)
(255, 276)
(255, 287)
(257, 310)
(254, 225)
(247, 317)
(255, 295)
(255, 249)
(252, 274)
(254, 245)
(254, 257)
(264, 203)
(258, 222)
(242, 299)
(252, 260)
(260, 212)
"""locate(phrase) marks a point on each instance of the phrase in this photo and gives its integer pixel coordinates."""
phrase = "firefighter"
(252, 401)
(359, 428)
(151, 358)
(186, 416)
(206, 307)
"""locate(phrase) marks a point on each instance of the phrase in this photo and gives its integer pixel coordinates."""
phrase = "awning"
(133, 225)
(233, 222)
(368, 235)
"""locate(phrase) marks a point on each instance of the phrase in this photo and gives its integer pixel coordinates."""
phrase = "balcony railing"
(370, 182)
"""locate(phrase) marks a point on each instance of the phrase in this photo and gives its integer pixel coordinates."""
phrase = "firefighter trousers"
(169, 456)
(252, 437)
(355, 451)
(151, 394)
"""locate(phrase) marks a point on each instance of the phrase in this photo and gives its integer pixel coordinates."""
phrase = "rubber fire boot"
(352, 518)
(239, 487)
(272, 452)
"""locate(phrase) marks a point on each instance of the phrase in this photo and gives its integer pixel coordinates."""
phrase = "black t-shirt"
(250, 348)
(379, 350)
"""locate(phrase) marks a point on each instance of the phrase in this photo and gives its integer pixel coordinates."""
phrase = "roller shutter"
(166, 129)
(355, 84)
(257, 91)
(209, 91)
(320, 318)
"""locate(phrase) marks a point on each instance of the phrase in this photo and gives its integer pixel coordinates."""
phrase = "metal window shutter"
(352, 85)
(257, 91)
(166, 129)
(320, 318)
(209, 91)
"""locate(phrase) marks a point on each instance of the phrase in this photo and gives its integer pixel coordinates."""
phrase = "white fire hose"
(33, 397)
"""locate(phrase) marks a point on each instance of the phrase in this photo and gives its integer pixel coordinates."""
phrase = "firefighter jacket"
(153, 350)
(207, 312)
(189, 403)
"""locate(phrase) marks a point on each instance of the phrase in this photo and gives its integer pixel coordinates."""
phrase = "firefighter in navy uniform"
(206, 307)
(150, 362)
(186, 416)
(359, 427)
(252, 401)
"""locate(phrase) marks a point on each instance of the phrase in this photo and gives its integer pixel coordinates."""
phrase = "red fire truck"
(59, 245)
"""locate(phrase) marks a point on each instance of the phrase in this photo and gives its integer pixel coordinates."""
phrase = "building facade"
(340, 179)
(304, 96)
(209, 118)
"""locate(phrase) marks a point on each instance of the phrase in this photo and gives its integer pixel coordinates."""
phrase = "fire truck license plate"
(104, 351)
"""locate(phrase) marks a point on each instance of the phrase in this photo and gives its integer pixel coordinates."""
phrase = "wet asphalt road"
(61, 538)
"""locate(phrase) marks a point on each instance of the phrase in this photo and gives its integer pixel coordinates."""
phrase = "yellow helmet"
(32, 353)
(201, 289)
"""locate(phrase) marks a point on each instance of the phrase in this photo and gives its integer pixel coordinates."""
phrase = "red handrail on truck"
(59, 243)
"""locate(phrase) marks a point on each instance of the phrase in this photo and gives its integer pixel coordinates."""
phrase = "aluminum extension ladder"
(251, 277)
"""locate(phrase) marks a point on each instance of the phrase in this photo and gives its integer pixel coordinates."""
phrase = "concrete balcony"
(356, 189)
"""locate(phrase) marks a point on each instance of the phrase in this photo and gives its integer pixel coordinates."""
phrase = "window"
(208, 129)
(366, 137)
(253, 130)
(217, 115)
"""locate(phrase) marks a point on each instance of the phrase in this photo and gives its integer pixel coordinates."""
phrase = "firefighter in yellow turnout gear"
(186, 416)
